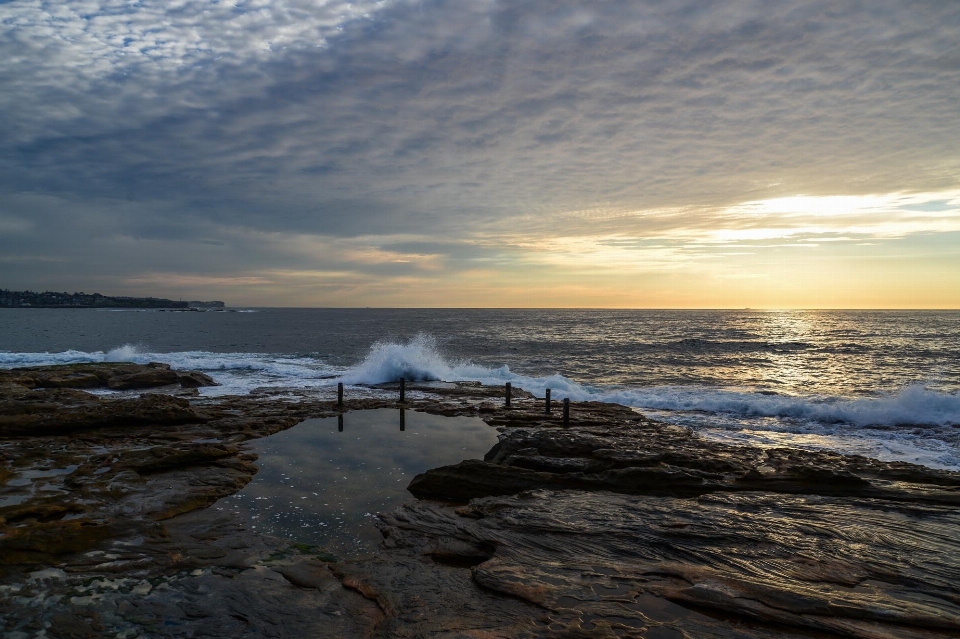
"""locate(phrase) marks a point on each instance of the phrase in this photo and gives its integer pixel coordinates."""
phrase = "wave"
(914, 424)
(11, 360)
(911, 406)
(694, 345)
(420, 359)
(236, 373)
(736, 346)
(125, 353)
(417, 360)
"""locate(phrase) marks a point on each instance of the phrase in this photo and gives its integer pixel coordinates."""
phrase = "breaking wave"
(911, 406)
(417, 360)
(125, 353)
(237, 373)
(420, 359)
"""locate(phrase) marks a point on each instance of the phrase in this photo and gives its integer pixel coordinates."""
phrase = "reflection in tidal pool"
(322, 481)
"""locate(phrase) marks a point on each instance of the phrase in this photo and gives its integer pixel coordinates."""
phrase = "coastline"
(616, 526)
(48, 299)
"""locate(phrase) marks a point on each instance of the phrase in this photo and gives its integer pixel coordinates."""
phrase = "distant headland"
(30, 299)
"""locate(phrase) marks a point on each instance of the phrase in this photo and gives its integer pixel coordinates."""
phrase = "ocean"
(885, 384)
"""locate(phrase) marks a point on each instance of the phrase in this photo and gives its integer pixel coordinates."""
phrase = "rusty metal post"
(507, 392)
(340, 394)
(566, 411)
(547, 409)
(402, 389)
(403, 420)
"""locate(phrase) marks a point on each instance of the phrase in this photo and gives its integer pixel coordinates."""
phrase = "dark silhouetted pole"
(547, 409)
(402, 390)
(340, 394)
(566, 411)
(507, 393)
(340, 423)
(403, 420)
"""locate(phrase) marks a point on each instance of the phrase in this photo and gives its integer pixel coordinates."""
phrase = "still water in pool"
(322, 481)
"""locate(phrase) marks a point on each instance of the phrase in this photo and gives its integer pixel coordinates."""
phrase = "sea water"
(878, 383)
(324, 480)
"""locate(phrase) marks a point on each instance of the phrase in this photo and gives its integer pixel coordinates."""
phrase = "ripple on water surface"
(322, 485)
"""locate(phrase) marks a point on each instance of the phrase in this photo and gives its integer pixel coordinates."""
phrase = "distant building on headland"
(30, 299)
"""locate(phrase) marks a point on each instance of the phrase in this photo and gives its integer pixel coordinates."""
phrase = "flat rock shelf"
(616, 526)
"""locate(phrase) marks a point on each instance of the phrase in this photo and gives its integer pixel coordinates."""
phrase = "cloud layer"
(327, 145)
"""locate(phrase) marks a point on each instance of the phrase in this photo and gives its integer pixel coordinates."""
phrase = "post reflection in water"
(323, 487)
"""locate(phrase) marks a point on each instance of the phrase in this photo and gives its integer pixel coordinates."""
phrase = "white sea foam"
(420, 359)
(237, 373)
(912, 424)
(417, 360)
(913, 405)
(12, 360)
(125, 353)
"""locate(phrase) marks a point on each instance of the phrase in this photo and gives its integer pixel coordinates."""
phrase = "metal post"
(340, 394)
(566, 411)
(403, 420)
(402, 390)
(507, 390)
(547, 410)
(340, 422)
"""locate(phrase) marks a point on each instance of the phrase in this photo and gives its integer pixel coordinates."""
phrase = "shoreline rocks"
(638, 457)
(114, 376)
(618, 526)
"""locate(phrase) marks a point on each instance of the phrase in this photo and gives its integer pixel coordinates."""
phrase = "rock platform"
(618, 526)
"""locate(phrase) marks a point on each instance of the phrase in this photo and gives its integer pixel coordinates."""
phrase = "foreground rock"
(62, 411)
(616, 527)
(626, 453)
(741, 565)
(121, 376)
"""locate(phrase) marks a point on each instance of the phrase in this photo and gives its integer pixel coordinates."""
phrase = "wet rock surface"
(629, 454)
(119, 376)
(617, 526)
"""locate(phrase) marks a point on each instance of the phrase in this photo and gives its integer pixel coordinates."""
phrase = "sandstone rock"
(26, 542)
(40, 412)
(310, 575)
(640, 457)
(117, 376)
(800, 564)
(616, 527)
(144, 379)
(194, 379)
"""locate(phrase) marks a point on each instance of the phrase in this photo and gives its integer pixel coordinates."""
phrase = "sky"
(662, 154)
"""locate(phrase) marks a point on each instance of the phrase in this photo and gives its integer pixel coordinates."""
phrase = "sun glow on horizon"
(866, 251)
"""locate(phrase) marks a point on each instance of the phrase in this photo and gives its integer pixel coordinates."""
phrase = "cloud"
(417, 137)
(59, 49)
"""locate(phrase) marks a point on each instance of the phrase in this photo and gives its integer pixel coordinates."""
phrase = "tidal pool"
(322, 481)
